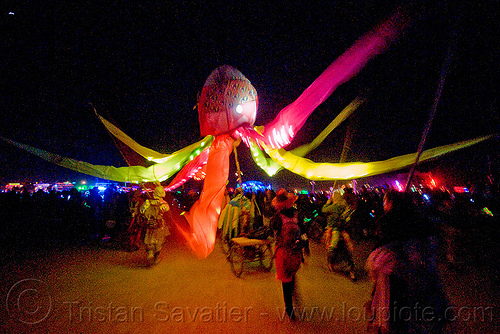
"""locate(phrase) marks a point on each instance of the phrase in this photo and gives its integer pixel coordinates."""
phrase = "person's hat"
(159, 192)
(283, 200)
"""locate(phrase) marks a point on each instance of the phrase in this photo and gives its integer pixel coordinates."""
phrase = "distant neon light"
(487, 211)
(460, 190)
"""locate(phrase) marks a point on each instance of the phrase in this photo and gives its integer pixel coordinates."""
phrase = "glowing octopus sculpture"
(227, 110)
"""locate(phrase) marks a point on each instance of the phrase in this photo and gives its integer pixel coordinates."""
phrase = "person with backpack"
(153, 211)
(288, 252)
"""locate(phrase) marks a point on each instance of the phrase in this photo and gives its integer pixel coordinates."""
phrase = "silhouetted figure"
(94, 202)
(408, 296)
(288, 252)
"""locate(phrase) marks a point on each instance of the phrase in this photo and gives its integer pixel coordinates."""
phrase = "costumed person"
(234, 219)
(267, 208)
(135, 229)
(246, 214)
(408, 294)
(288, 252)
(339, 210)
(153, 211)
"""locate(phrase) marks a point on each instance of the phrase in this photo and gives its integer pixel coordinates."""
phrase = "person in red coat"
(288, 252)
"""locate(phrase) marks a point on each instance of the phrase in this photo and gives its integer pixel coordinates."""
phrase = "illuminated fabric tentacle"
(148, 153)
(342, 116)
(266, 164)
(347, 171)
(271, 167)
(204, 214)
(189, 170)
(157, 172)
(290, 120)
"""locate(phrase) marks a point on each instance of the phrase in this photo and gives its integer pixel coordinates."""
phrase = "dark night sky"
(142, 64)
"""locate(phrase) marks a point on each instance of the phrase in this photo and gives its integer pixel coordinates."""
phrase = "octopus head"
(227, 101)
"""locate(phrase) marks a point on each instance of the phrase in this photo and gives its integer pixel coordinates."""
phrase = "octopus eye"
(239, 109)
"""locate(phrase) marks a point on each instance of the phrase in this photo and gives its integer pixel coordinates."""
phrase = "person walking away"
(288, 252)
(408, 295)
(153, 211)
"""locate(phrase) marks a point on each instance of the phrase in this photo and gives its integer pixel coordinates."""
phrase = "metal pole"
(444, 73)
(347, 146)
(238, 171)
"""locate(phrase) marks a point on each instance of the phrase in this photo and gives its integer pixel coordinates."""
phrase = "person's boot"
(290, 313)
(157, 257)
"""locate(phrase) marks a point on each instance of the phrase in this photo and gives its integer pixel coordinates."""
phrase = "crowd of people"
(406, 231)
(76, 216)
